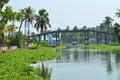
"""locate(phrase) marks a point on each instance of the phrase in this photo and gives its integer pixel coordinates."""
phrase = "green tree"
(42, 21)
(117, 31)
(6, 16)
(3, 2)
(76, 35)
(28, 18)
(118, 13)
(10, 29)
(108, 26)
(108, 23)
(75, 28)
(67, 28)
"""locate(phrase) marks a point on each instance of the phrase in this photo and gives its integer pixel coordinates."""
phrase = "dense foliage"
(102, 46)
(16, 65)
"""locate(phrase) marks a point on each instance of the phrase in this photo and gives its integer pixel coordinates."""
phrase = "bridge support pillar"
(105, 38)
(97, 38)
(57, 37)
(87, 37)
(113, 37)
(44, 37)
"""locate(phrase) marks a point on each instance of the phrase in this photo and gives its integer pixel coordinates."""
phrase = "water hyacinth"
(16, 65)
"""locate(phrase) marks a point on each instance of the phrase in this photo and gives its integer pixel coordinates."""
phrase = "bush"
(19, 40)
(44, 44)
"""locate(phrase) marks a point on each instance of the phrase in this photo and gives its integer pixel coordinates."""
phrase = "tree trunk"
(3, 41)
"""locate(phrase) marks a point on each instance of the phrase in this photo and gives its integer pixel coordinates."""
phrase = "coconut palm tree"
(108, 26)
(118, 13)
(42, 21)
(117, 30)
(27, 18)
(108, 23)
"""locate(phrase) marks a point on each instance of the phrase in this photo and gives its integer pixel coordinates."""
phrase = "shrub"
(19, 40)
(44, 44)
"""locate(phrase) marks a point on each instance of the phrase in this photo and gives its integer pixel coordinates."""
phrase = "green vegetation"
(16, 65)
(59, 47)
(102, 47)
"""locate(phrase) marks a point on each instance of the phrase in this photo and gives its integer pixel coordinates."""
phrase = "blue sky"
(64, 13)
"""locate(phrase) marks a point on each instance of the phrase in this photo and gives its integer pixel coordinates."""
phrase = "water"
(82, 64)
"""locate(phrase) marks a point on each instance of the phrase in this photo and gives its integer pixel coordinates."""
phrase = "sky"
(63, 13)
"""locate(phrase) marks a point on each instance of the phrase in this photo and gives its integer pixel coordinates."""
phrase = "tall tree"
(67, 28)
(108, 26)
(28, 17)
(84, 27)
(75, 28)
(117, 26)
(117, 31)
(6, 16)
(118, 13)
(42, 21)
(108, 23)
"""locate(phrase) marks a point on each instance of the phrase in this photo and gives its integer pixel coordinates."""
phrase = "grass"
(16, 65)
(102, 47)
(62, 46)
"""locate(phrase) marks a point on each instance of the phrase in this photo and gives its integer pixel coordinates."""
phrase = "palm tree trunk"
(28, 33)
(39, 37)
(20, 25)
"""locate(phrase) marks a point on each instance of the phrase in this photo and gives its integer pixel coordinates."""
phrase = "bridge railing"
(81, 30)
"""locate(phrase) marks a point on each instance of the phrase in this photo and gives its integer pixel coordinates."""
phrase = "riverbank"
(16, 65)
(101, 47)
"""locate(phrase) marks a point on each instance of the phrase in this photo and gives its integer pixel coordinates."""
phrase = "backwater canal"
(86, 64)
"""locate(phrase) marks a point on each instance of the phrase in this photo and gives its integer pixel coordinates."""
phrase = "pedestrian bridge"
(87, 36)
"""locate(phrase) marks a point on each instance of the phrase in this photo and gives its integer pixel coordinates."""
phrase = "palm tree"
(27, 18)
(117, 31)
(67, 28)
(108, 23)
(108, 26)
(75, 28)
(42, 21)
(118, 13)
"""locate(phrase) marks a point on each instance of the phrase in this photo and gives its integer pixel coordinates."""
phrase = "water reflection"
(103, 62)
